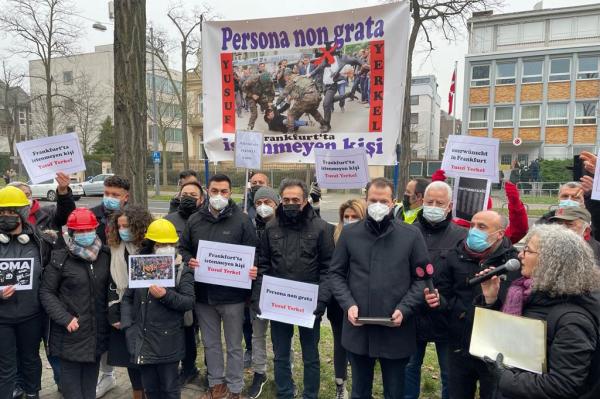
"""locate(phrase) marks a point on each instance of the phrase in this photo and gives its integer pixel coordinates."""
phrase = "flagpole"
(454, 99)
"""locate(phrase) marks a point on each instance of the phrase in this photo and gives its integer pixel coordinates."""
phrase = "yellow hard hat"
(12, 197)
(162, 231)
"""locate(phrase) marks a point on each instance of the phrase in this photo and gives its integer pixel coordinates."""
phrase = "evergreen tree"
(105, 143)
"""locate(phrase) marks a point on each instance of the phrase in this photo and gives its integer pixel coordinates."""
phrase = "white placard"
(44, 157)
(471, 156)
(288, 301)
(521, 340)
(224, 264)
(342, 168)
(147, 270)
(248, 149)
(596, 186)
(470, 195)
(17, 272)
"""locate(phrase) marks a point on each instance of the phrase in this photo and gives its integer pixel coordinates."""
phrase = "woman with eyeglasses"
(559, 284)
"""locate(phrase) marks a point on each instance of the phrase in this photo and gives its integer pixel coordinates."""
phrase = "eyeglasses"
(528, 251)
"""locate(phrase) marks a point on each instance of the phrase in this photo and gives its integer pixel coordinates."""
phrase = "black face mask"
(187, 205)
(254, 189)
(9, 223)
(292, 212)
(406, 202)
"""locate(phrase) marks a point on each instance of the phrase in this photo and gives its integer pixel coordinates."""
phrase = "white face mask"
(350, 221)
(265, 211)
(167, 250)
(378, 211)
(218, 202)
(433, 214)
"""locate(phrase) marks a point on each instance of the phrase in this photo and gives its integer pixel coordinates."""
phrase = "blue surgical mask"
(568, 202)
(477, 240)
(433, 214)
(112, 204)
(84, 239)
(125, 235)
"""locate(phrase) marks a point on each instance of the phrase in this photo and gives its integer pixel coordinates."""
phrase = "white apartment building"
(424, 118)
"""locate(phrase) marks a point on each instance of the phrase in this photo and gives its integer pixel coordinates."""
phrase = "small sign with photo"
(16, 272)
(147, 270)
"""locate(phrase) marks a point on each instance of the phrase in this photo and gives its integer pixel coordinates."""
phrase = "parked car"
(95, 185)
(47, 189)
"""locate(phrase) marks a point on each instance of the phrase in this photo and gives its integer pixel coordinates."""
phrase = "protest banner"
(248, 150)
(470, 156)
(147, 270)
(495, 332)
(596, 185)
(470, 196)
(44, 157)
(333, 44)
(17, 272)
(288, 301)
(341, 168)
(224, 264)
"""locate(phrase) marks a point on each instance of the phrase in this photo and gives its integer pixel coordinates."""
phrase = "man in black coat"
(485, 246)
(116, 195)
(185, 177)
(219, 220)
(372, 274)
(297, 246)
(441, 236)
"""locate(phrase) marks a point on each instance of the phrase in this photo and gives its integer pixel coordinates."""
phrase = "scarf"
(118, 266)
(517, 295)
(32, 218)
(89, 254)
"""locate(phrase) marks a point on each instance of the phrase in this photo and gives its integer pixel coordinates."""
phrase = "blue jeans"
(365, 88)
(392, 373)
(412, 388)
(281, 336)
(297, 122)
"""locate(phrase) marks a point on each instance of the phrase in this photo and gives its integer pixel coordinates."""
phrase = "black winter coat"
(154, 327)
(299, 252)
(373, 267)
(570, 349)
(231, 226)
(73, 287)
(593, 206)
(178, 221)
(25, 304)
(103, 216)
(459, 297)
(441, 239)
(53, 217)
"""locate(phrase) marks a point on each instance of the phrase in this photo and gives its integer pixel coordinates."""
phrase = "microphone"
(510, 266)
(426, 275)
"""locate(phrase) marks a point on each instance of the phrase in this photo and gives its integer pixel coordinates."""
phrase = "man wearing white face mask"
(441, 236)
(220, 220)
(373, 274)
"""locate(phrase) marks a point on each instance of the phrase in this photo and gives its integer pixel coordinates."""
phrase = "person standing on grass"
(373, 274)
(297, 245)
(220, 220)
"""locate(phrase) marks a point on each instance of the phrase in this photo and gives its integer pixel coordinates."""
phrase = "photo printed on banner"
(470, 196)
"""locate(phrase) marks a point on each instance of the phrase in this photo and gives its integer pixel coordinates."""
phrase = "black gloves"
(320, 310)
(255, 308)
(496, 367)
(315, 192)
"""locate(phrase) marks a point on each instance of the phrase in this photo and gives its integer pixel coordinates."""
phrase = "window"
(420, 81)
(70, 129)
(560, 69)
(414, 118)
(587, 67)
(532, 71)
(174, 135)
(523, 159)
(68, 77)
(533, 32)
(414, 100)
(503, 117)
(480, 75)
(478, 118)
(414, 137)
(585, 113)
(200, 104)
(530, 115)
(69, 105)
(508, 34)
(505, 73)
(481, 39)
(588, 26)
(558, 114)
(505, 159)
(561, 28)
(22, 117)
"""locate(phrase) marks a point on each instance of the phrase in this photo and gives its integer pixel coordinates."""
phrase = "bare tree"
(11, 84)
(188, 25)
(86, 112)
(449, 18)
(43, 29)
(130, 96)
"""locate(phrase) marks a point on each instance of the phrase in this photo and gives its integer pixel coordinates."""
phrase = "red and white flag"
(452, 93)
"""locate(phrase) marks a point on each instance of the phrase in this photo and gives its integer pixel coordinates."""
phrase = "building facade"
(424, 117)
(448, 126)
(532, 81)
(15, 115)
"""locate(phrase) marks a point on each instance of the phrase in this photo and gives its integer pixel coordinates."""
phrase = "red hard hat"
(82, 219)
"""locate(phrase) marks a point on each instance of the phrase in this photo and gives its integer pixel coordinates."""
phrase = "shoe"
(185, 377)
(18, 392)
(325, 128)
(258, 382)
(247, 359)
(106, 382)
(340, 390)
(217, 392)
(250, 127)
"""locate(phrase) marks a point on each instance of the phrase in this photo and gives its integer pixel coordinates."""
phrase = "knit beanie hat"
(266, 193)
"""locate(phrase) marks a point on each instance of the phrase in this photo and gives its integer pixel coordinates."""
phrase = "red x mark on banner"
(327, 55)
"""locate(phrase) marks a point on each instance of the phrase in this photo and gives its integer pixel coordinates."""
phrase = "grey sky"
(440, 62)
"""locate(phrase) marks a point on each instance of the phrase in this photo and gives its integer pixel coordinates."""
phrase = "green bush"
(556, 170)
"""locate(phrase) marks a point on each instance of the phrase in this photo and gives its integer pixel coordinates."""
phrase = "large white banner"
(344, 87)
